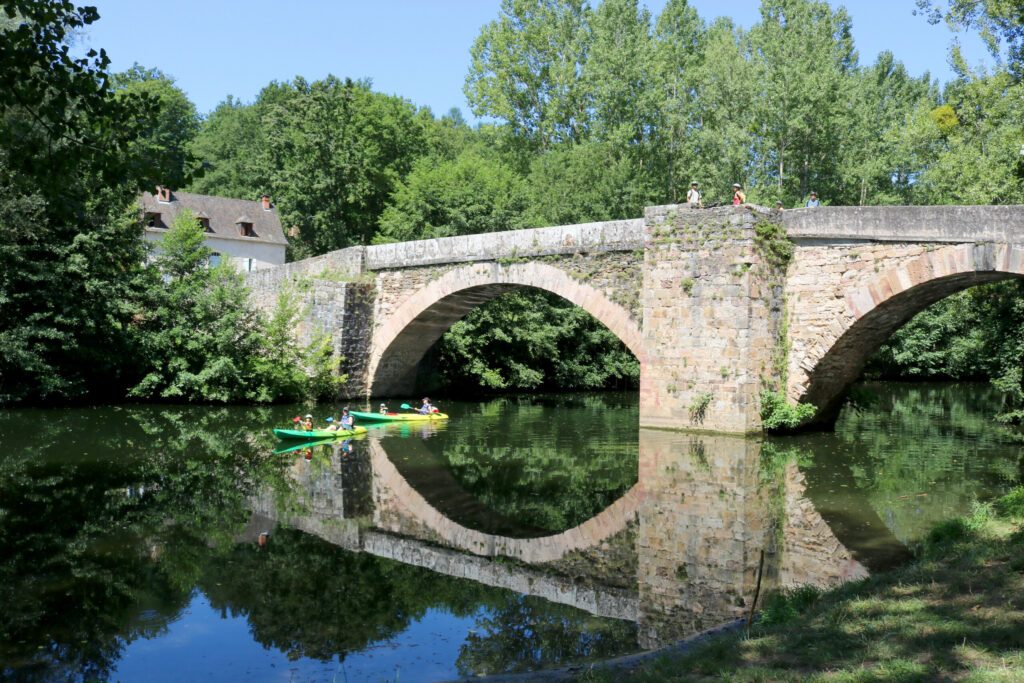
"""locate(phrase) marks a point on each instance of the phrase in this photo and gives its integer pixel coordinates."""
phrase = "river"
(169, 543)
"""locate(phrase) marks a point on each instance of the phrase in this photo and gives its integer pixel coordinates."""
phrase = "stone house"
(246, 233)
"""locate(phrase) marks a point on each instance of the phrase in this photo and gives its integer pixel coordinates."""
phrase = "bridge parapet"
(937, 224)
(622, 235)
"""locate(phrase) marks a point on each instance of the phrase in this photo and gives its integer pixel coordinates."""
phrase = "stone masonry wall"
(711, 318)
(619, 275)
(821, 275)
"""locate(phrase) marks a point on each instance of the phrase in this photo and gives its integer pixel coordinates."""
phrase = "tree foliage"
(202, 341)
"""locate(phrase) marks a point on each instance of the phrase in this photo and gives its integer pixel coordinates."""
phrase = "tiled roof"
(223, 214)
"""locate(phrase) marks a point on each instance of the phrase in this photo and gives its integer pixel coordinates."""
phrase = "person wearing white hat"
(738, 196)
(693, 196)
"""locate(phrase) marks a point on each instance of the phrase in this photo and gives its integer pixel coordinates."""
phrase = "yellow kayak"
(397, 417)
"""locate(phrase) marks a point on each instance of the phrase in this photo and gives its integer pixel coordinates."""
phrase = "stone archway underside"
(875, 311)
(402, 340)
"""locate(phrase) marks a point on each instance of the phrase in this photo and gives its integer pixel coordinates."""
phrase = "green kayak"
(317, 433)
(397, 417)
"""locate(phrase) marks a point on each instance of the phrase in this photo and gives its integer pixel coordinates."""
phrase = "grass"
(956, 613)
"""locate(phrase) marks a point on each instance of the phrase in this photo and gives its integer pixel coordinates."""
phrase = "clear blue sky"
(418, 49)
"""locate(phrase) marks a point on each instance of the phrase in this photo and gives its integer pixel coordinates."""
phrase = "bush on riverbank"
(955, 613)
(201, 340)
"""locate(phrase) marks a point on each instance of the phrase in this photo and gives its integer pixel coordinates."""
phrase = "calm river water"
(144, 543)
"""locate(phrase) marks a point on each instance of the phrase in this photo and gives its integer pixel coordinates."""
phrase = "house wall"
(263, 254)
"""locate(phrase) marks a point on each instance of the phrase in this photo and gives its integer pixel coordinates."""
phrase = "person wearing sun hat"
(693, 196)
(738, 196)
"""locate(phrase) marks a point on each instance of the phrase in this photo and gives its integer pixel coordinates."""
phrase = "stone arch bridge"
(716, 304)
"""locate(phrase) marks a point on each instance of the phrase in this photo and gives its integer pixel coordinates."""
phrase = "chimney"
(265, 200)
(163, 194)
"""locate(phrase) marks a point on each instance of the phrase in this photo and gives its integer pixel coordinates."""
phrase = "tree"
(167, 140)
(618, 74)
(70, 248)
(230, 146)
(526, 67)
(530, 341)
(802, 51)
(330, 152)
(472, 193)
(998, 21)
(202, 341)
(679, 47)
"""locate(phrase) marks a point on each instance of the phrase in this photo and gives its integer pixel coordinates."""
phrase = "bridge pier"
(712, 317)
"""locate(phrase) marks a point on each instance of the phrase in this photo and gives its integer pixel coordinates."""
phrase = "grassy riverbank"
(955, 613)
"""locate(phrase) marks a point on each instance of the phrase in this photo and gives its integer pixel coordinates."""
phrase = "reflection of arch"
(873, 312)
(426, 472)
(400, 342)
(397, 501)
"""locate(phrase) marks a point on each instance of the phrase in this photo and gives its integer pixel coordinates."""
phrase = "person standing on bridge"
(738, 196)
(693, 196)
(813, 202)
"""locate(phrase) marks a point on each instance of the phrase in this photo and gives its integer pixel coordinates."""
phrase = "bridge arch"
(874, 311)
(401, 341)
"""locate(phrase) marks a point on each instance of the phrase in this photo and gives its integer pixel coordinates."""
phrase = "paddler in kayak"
(307, 423)
(347, 421)
(383, 409)
(427, 408)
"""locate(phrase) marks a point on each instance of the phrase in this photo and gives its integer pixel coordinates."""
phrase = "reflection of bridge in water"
(678, 553)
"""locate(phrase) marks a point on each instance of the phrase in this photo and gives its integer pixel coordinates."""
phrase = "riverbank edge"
(574, 671)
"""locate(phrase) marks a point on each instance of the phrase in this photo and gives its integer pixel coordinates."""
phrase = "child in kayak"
(307, 423)
(383, 408)
(347, 422)
(426, 408)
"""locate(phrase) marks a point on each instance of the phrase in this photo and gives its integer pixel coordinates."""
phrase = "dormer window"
(163, 194)
(244, 224)
(204, 221)
(153, 220)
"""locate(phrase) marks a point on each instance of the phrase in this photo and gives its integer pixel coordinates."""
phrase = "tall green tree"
(230, 147)
(678, 51)
(166, 141)
(330, 152)
(525, 70)
(803, 51)
(618, 74)
(469, 194)
(202, 341)
(71, 253)
(999, 22)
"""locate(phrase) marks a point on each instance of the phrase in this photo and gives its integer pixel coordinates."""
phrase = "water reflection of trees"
(103, 530)
(520, 458)
(111, 518)
(920, 454)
